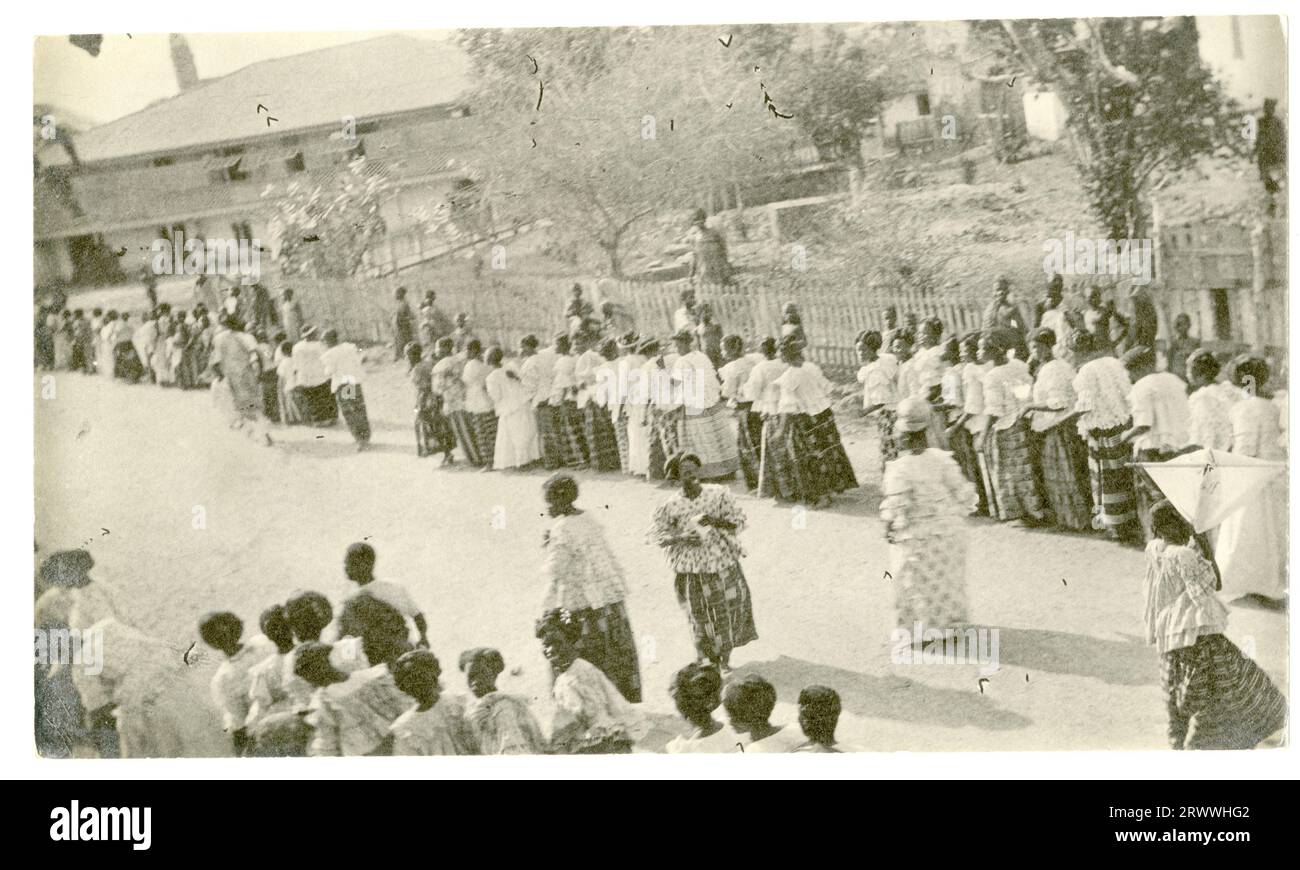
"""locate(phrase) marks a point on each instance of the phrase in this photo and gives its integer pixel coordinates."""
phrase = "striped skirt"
(620, 434)
(708, 435)
(548, 430)
(719, 609)
(667, 431)
(749, 440)
(1063, 462)
(1218, 698)
(1013, 475)
(573, 441)
(602, 440)
(484, 426)
(962, 444)
(885, 418)
(462, 423)
(780, 478)
(433, 430)
(1112, 478)
(816, 456)
(608, 643)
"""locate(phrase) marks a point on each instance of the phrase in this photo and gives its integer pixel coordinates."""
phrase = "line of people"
(1049, 430)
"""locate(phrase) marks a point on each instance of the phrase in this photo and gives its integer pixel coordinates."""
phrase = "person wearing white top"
(359, 566)
(597, 427)
(879, 378)
(1062, 454)
(699, 413)
(749, 426)
(1008, 389)
(1101, 390)
(966, 433)
(311, 383)
(479, 412)
(342, 362)
(563, 398)
(1209, 424)
(622, 393)
(536, 373)
(815, 464)
(516, 445)
(1160, 422)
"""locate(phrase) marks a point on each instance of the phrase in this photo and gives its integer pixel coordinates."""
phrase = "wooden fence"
(503, 309)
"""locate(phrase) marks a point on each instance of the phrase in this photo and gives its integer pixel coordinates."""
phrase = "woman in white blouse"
(812, 440)
(478, 407)
(1060, 452)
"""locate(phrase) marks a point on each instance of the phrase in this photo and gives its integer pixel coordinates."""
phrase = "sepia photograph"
(912, 386)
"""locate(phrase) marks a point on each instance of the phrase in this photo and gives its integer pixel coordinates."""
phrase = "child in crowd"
(223, 632)
(502, 724)
(436, 724)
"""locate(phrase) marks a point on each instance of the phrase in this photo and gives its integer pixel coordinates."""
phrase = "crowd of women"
(1043, 425)
(362, 680)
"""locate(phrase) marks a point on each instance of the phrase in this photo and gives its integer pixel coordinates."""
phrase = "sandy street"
(125, 471)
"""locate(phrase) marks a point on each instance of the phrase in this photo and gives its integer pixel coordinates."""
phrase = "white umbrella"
(1206, 486)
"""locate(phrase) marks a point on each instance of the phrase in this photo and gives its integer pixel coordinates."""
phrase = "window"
(295, 163)
(367, 127)
(922, 104)
(232, 151)
(164, 161)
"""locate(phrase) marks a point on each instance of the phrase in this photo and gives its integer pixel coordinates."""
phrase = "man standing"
(710, 264)
(1270, 151)
(1000, 313)
(1146, 323)
(403, 325)
(342, 363)
(1181, 345)
(291, 317)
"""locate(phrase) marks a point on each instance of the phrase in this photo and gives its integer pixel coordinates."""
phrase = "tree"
(595, 129)
(324, 228)
(1142, 104)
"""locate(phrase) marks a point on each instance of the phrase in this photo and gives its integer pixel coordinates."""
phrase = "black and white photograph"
(826, 387)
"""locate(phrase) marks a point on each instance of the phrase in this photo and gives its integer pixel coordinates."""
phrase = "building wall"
(1248, 54)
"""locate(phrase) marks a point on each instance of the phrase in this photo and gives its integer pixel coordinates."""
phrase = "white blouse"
(804, 390)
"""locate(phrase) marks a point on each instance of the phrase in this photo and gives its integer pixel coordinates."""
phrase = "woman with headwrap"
(697, 529)
(597, 427)
(1060, 453)
(479, 413)
(584, 578)
(812, 440)
(955, 399)
(591, 717)
(501, 724)
(631, 397)
(734, 374)
(1101, 390)
(879, 378)
(1216, 697)
(703, 420)
(1209, 404)
(450, 389)
(1008, 389)
(697, 692)
(1252, 546)
(516, 444)
(926, 500)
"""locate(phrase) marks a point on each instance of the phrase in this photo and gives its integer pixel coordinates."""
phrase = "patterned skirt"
(657, 459)
(885, 419)
(1063, 461)
(462, 422)
(433, 430)
(620, 434)
(484, 427)
(548, 430)
(608, 643)
(573, 441)
(352, 404)
(1217, 698)
(602, 440)
(930, 577)
(749, 440)
(1013, 474)
(719, 609)
(962, 444)
(780, 477)
(666, 426)
(318, 404)
(816, 456)
(1112, 478)
(708, 435)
